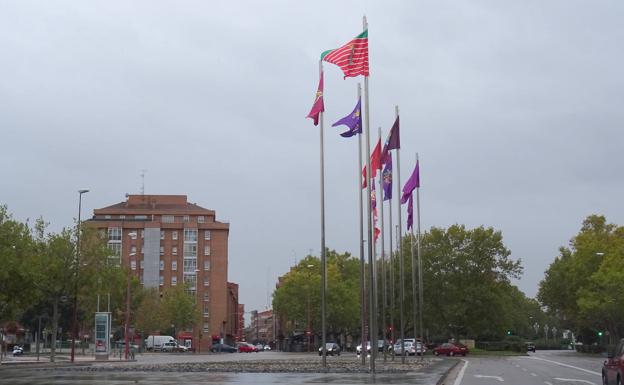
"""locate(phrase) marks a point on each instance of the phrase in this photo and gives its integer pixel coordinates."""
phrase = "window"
(101, 233)
(174, 250)
(114, 234)
(190, 280)
(162, 265)
(142, 249)
(207, 235)
(140, 217)
(162, 234)
(186, 218)
(190, 265)
(142, 233)
(115, 248)
(142, 264)
(190, 235)
(206, 250)
(206, 281)
(207, 265)
(190, 250)
(200, 219)
(167, 219)
(162, 250)
(161, 280)
(133, 250)
(206, 327)
(174, 280)
(174, 235)
(174, 265)
(133, 264)
(206, 296)
(206, 308)
(122, 217)
(107, 217)
(141, 277)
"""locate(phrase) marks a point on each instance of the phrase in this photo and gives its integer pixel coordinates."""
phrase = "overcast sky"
(515, 109)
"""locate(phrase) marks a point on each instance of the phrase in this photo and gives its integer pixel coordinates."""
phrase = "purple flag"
(412, 183)
(353, 121)
(392, 143)
(410, 212)
(387, 179)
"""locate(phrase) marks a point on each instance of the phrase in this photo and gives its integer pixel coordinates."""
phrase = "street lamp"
(127, 326)
(309, 331)
(75, 315)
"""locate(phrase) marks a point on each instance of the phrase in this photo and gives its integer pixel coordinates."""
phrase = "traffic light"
(599, 334)
(508, 332)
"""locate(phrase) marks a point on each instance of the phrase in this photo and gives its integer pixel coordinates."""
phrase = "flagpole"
(362, 261)
(371, 237)
(420, 274)
(400, 247)
(391, 269)
(414, 298)
(383, 261)
(323, 266)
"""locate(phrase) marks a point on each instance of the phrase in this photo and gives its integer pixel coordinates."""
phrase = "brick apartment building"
(165, 241)
(262, 327)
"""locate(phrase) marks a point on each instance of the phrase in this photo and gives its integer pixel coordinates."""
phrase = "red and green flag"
(318, 105)
(352, 58)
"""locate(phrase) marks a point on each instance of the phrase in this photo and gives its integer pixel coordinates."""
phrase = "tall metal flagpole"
(400, 247)
(420, 273)
(362, 261)
(391, 270)
(414, 294)
(383, 262)
(323, 267)
(371, 236)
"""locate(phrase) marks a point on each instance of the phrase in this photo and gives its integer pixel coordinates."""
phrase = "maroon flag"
(318, 105)
(393, 142)
(352, 58)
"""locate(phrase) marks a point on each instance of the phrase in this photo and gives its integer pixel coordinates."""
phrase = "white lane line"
(496, 377)
(460, 376)
(567, 366)
(534, 375)
(574, 380)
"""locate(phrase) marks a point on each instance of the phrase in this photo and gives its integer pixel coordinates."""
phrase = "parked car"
(244, 347)
(381, 345)
(451, 349)
(267, 347)
(411, 348)
(173, 347)
(223, 348)
(18, 350)
(358, 349)
(613, 367)
(396, 348)
(260, 347)
(333, 349)
(530, 347)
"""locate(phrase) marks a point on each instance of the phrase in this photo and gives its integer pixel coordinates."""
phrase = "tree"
(178, 307)
(580, 285)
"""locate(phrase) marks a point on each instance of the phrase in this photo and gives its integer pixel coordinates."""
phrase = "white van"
(157, 342)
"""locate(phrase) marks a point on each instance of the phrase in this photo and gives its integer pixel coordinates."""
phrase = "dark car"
(530, 347)
(451, 349)
(613, 367)
(223, 348)
(333, 349)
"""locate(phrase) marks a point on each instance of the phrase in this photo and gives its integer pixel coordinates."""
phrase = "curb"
(444, 376)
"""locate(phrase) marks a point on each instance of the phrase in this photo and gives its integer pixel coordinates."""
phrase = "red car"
(247, 348)
(613, 367)
(451, 349)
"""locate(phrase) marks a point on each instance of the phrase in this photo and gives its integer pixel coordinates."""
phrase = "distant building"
(234, 331)
(166, 241)
(262, 328)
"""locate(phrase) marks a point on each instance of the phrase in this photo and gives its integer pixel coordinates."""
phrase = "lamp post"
(77, 265)
(127, 326)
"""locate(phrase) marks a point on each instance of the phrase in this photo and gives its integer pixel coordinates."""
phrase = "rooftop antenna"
(143, 171)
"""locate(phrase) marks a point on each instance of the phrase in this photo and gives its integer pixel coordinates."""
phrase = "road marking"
(548, 383)
(460, 376)
(496, 377)
(567, 366)
(573, 380)
(534, 375)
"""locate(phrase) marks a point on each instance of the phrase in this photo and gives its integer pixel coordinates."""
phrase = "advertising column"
(102, 333)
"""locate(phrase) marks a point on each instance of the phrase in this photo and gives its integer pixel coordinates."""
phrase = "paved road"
(541, 368)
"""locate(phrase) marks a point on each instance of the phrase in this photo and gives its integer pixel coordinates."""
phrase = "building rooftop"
(154, 204)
